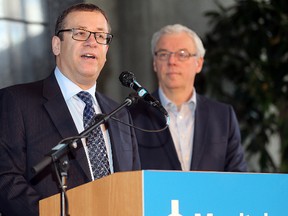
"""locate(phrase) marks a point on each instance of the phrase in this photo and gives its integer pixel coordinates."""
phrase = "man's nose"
(172, 57)
(91, 39)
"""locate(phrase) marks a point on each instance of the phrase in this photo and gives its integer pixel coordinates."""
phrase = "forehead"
(175, 41)
(92, 20)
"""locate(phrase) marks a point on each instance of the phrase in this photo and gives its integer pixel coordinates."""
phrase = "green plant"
(247, 66)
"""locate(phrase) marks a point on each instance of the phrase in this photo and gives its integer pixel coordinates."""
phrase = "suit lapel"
(62, 119)
(200, 132)
(57, 108)
(113, 130)
(171, 151)
(169, 146)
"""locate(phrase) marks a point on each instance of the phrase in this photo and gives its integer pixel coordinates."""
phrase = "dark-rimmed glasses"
(79, 34)
(181, 55)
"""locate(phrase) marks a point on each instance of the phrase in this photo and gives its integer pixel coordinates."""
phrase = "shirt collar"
(68, 88)
(167, 103)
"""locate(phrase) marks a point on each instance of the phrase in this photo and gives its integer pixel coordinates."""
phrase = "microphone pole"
(59, 153)
(63, 148)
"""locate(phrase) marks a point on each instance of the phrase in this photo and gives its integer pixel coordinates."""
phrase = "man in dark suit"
(34, 117)
(203, 134)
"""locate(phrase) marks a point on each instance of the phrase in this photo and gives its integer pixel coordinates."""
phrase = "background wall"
(28, 25)
(133, 23)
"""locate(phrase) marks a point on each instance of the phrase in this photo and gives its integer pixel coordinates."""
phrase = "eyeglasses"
(181, 55)
(83, 35)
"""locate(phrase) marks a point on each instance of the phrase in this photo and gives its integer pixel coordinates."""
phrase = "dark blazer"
(217, 142)
(34, 117)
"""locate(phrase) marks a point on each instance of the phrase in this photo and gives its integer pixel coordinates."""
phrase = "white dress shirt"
(181, 127)
(76, 107)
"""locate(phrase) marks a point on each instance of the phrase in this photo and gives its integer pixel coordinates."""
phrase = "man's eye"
(182, 55)
(102, 36)
(80, 33)
(163, 54)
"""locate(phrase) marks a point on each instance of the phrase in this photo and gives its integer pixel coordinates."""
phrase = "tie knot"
(86, 97)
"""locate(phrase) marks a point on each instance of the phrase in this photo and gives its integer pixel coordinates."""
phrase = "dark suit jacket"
(34, 118)
(216, 147)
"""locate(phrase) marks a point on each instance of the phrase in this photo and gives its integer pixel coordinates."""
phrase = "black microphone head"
(127, 78)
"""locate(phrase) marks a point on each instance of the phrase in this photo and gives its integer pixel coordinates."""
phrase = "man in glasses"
(35, 117)
(203, 134)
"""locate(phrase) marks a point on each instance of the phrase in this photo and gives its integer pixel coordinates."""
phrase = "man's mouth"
(90, 56)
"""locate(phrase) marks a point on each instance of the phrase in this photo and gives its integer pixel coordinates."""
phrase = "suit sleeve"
(235, 161)
(17, 197)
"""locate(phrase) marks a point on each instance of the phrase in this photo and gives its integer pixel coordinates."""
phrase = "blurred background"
(245, 64)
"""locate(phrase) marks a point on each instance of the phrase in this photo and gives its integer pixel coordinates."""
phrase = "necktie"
(95, 142)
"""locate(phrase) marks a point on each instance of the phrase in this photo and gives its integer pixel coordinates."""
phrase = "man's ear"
(154, 66)
(199, 64)
(56, 45)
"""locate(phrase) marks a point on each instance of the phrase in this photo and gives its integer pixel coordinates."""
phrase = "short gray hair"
(177, 28)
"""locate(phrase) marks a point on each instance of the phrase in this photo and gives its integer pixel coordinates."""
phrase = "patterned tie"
(95, 141)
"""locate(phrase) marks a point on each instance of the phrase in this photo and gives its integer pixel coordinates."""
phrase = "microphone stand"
(62, 168)
(59, 154)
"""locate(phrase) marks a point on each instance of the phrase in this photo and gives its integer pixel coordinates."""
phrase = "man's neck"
(178, 97)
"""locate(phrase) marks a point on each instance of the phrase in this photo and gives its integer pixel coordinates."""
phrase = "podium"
(176, 193)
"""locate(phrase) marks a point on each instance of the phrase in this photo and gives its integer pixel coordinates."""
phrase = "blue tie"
(95, 142)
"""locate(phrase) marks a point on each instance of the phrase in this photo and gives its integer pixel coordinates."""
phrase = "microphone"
(128, 79)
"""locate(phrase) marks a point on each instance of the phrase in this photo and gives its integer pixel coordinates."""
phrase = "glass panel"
(4, 36)
(11, 9)
(34, 10)
(24, 40)
(5, 66)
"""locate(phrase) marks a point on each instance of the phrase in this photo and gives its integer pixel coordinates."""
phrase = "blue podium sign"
(173, 193)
